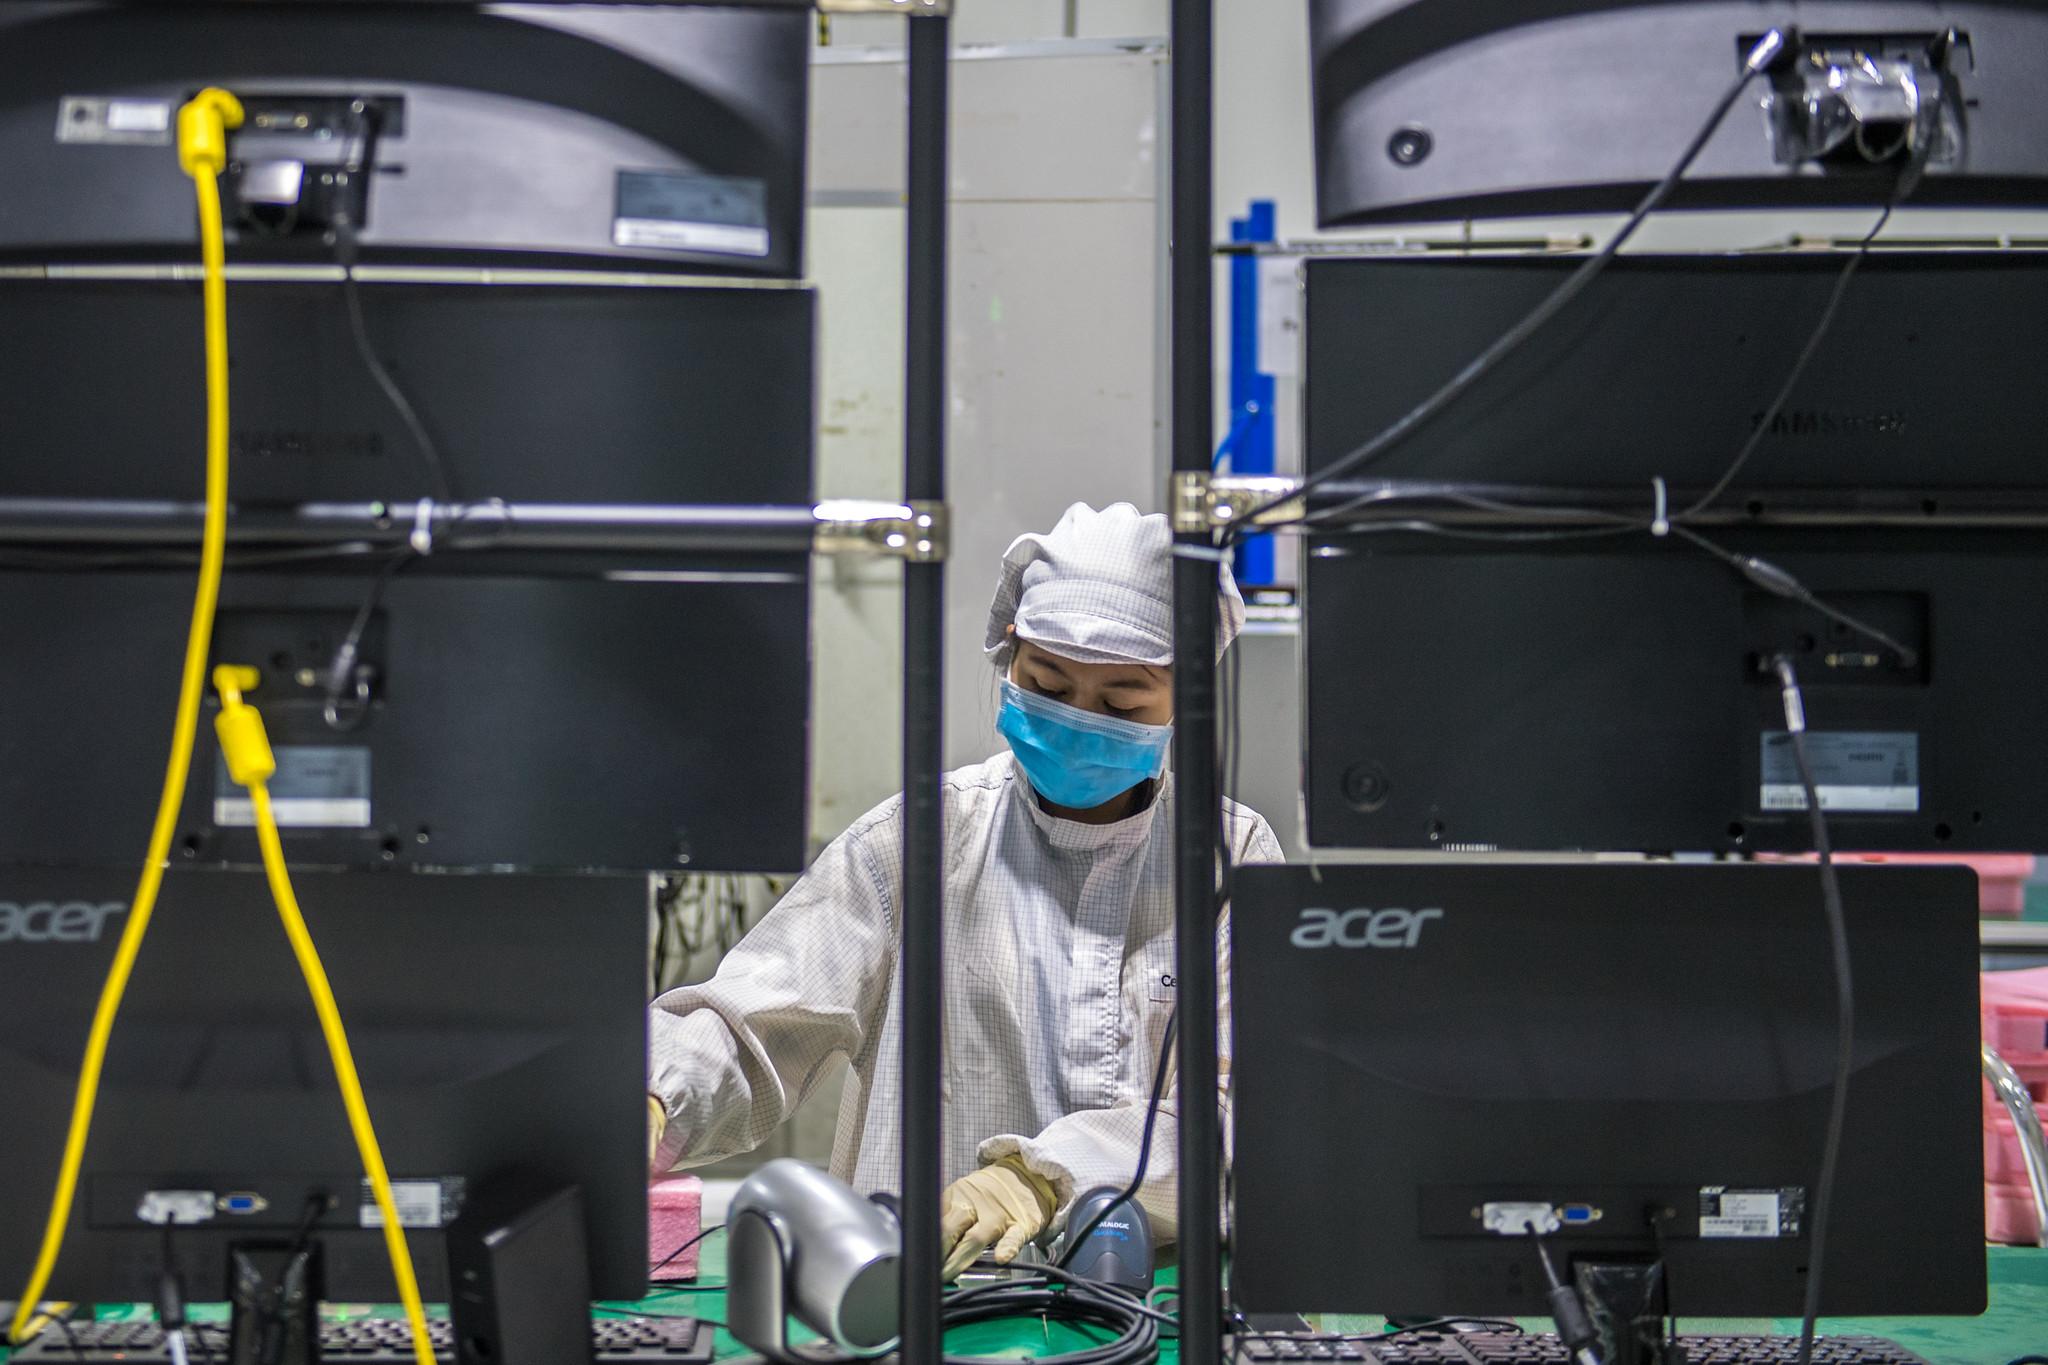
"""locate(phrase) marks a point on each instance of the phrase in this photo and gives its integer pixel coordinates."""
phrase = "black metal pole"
(1196, 818)
(922, 974)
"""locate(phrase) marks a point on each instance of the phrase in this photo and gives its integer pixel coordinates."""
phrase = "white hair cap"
(1099, 589)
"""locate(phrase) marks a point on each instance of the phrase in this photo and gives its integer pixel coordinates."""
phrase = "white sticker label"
(1280, 300)
(98, 119)
(1743, 1215)
(138, 116)
(314, 787)
(1877, 772)
(1792, 796)
(1751, 1213)
(295, 812)
(729, 239)
(418, 1202)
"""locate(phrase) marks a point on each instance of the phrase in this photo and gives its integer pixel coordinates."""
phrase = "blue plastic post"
(1249, 447)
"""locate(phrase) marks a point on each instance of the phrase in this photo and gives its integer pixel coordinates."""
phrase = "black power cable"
(1845, 1001)
(1761, 573)
(1760, 58)
(63, 1324)
(1658, 1216)
(1909, 179)
(1778, 582)
(1130, 1191)
(1166, 1043)
(361, 168)
(1574, 1327)
(344, 674)
(663, 1262)
(1048, 1294)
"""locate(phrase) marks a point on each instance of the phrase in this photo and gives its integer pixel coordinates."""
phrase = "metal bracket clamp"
(1204, 502)
(919, 532)
(927, 9)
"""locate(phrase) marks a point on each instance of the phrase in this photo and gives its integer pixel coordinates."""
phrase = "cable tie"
(1660, 520)
(422, 538)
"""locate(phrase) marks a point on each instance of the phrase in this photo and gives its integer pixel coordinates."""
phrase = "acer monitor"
(499, 1025)
(1415, 1045)
(1541, 693)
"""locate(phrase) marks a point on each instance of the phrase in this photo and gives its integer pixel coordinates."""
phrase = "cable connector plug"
(1795, 700)
(243, 742)
(1574, 1325)
(203, 124)
(1767, 50)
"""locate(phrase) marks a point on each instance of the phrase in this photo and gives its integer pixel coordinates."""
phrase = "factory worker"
(1059, 926)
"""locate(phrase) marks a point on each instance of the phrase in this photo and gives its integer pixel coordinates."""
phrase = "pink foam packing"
(2001, 877)
(2004, 1164)
(675, 1214)
(2009, 1215)
(2015, 1008)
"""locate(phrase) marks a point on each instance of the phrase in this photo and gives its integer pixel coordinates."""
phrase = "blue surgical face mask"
(1075, 758)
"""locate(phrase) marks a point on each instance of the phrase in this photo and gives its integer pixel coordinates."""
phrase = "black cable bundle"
(1050, 1293)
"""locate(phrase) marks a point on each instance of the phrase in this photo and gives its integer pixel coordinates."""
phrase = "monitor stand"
(1626, 1303)
(273, 1288)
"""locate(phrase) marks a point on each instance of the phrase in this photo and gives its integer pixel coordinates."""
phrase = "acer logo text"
(1362, 928)
(55, 921)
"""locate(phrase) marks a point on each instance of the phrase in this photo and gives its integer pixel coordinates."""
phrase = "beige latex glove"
(657, 1124)
(1004, 1205)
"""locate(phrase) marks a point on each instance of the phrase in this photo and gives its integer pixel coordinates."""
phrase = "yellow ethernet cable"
(251, 764)
(202, 152)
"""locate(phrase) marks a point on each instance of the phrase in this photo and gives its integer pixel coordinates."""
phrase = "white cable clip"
(422, 538)
(1660, 520)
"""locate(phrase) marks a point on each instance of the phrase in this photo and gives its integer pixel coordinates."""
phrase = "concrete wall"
(1054, 299)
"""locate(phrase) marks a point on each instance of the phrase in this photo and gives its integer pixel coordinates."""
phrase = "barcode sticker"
(418, 1203)
(1750, 1213)
(1868, 772)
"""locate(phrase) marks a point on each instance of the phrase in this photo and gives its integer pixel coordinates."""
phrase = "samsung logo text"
(1361, 928)
(55, 921)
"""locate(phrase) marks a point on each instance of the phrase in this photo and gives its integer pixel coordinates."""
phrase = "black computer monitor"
(641, 137)
(566, 391)
(1416, 1043)
(1426, 111)
(546, 711)
(1606, 693)
(499, 1026)
(520, 720)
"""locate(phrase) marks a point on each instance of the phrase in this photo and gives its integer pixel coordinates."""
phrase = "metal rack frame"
(1198, 813)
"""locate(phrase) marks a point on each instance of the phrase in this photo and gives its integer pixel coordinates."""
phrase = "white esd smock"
(1059, 952)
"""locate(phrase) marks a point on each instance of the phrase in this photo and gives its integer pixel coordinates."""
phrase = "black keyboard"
(358, 1341)
(1507, 1348)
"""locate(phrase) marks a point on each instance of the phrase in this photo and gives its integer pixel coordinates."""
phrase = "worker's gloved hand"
(1004, 1205)
(657, 1124)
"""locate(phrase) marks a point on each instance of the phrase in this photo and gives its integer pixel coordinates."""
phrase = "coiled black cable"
(1049, 1293)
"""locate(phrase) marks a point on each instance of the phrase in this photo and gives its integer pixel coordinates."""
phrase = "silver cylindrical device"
(843, 1253)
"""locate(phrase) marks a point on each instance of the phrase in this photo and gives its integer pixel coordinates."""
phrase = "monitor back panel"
(499, 1025)
(1414, 1042)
